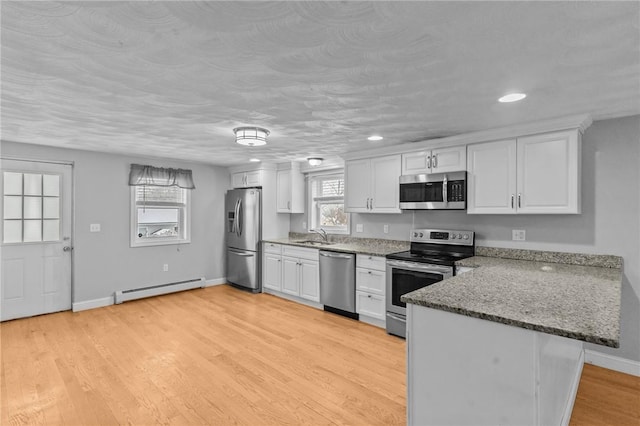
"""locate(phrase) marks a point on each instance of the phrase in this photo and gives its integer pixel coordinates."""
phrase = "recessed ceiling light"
(512, 97)
(254, 160)
(375, 138)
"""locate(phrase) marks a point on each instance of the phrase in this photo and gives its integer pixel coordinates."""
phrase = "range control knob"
(415, 234)
(421, 235)
(466, 236)
(459, 236)
(452, 236)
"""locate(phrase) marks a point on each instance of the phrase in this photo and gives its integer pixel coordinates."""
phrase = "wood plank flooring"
(222, 356)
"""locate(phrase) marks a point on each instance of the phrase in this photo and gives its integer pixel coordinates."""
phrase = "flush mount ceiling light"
(512, 97)
(375, 138)
(314, 161)
(251, 136)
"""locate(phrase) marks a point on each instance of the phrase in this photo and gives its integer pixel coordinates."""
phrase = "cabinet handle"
(369, 296)
(429, 162)
(512, 198)
(519, 200)
(435, 161)
(288, 205)
(369, 272)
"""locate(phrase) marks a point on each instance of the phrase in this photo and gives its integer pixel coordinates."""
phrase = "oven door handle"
(418, 266)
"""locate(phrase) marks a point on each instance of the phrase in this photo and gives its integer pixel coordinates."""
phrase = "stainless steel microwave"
(436, 191)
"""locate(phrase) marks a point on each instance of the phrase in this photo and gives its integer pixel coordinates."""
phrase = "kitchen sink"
(315, 242)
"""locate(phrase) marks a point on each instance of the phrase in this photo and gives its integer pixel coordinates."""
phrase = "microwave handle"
(444, 189)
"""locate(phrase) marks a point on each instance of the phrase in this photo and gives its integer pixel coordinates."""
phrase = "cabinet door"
(549, 173)
(491, 177)
(310, 280)
(445, 160)
(416, 163)
(290, 276)
(357, 191)
(385, 184)
(272, 277)
(237, 180)
(283, 191)
(254, 178)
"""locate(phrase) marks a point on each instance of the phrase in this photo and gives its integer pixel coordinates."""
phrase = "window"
(31, 211)
(160, 215)
(327, 204)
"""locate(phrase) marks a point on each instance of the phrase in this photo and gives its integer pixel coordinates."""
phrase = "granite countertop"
(571, 299)
(370, 246)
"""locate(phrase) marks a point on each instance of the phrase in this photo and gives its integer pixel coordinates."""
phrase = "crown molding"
(573, 122)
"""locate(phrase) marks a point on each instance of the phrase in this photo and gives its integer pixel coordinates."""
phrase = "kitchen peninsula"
(503, 343)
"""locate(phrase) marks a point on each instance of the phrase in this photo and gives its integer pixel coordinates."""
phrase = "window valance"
(141, 175)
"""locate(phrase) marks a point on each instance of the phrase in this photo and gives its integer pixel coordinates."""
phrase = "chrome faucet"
(322, 233)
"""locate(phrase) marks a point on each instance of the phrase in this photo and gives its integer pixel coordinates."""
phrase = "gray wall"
(103, 262)
(609, 223)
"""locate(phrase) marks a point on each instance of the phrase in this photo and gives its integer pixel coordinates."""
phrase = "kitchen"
(104, 263)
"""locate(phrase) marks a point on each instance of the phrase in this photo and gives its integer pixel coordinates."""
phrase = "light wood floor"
(222, 356)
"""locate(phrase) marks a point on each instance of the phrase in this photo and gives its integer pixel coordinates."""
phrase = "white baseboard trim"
(92, 304)
(573, 392)
(612, 362)
(215, 281)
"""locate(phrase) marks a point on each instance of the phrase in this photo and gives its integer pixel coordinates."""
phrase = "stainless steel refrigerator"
(243, 235)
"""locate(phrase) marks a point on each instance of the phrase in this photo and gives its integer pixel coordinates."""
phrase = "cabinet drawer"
(371, 262)
(370, 280)
(272, 248)
(300, 252)
(370, 305)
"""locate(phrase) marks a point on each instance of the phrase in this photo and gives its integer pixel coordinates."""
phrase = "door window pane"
(32, 207)
(12, 183)
(32, 230)
(12, 231)
(51, 230)
(32, 184)
(51, 207)
(12, 207)
(51, 185)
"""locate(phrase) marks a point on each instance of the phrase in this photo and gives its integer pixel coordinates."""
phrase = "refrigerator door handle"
(240, 220)
(240, 253)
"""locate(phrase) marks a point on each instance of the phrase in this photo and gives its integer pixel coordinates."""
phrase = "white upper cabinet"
(290, 191)
(532, 174)
(250, 179)
(372, 185)
(441, 160)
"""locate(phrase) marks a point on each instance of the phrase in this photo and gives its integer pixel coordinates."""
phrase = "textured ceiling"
(172, 79)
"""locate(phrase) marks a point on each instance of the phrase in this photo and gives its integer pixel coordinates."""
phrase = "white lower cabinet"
(292, 270)
(370, 287)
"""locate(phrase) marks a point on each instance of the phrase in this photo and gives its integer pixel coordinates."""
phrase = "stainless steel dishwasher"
(338, 283)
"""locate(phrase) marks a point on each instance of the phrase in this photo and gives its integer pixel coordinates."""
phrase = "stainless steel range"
(431, 259)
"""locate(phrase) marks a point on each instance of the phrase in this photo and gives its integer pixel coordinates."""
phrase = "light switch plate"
(518, 234)
(359, 227)
(94, 227)
(385, 229)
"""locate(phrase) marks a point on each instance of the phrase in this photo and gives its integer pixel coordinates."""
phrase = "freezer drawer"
(242, 266)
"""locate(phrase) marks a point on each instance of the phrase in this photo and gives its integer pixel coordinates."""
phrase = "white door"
(385, 184)
(548, 173)
(491, 177)
(36, 238)
(357, 186)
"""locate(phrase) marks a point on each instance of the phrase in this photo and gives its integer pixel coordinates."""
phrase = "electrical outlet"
(385, 229)
(359, 227)
(518, 234)
(165, 267)
(304, 225)
(94, 227)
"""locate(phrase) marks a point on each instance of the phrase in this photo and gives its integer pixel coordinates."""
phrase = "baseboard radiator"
(156, 290)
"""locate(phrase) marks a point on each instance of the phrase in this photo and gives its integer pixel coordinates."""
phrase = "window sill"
(158, 243)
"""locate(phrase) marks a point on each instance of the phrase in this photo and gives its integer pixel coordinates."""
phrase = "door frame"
(73, 207)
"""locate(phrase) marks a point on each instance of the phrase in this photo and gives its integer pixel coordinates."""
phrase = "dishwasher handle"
(335, 255)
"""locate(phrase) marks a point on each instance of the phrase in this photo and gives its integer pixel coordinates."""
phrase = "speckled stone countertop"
(570, 300)
(370, 246)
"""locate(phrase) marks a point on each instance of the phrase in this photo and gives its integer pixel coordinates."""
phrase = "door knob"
(67, 248)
